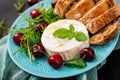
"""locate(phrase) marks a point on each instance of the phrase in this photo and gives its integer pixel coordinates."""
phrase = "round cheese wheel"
(68, 49)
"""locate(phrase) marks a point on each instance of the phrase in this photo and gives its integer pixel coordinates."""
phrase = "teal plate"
(40, 67)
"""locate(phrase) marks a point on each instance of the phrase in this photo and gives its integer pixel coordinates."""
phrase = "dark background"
(110, 71)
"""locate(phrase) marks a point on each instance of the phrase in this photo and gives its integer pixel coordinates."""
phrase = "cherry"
(41, 26)
(55, 60)
(54, 3)
(17, 38)
(38, 50)
(31, 2)
(34, 13)
(87, 54)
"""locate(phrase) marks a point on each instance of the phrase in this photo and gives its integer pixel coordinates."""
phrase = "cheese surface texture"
(68, 49)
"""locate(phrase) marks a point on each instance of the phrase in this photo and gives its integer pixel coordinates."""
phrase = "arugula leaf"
(76, 63)
(46, 15)
(80, 36)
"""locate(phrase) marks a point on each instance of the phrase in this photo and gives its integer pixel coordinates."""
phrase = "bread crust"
(98, 23)
(106, 34)
(98, 9)
(78, 10)
(99, 16)
(62, 6)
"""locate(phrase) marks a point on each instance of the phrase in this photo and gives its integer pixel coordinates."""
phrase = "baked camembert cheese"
(68, 49)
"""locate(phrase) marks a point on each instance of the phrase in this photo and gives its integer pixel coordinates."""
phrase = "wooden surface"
(110, 71)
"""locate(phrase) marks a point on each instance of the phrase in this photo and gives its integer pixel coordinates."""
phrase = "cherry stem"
(83, 56)
(44, 53)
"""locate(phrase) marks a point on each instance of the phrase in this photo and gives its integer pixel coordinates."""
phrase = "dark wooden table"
(110, 71)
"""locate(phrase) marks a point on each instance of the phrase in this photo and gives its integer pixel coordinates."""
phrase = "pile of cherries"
(38, 50)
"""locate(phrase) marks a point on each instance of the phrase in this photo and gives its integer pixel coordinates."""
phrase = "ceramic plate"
(40, 67)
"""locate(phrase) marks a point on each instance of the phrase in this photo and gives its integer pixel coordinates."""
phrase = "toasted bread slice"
(106, 34)
(98, 23)
(98, 9)
(62, 6)
(97, 0)
(80, 9)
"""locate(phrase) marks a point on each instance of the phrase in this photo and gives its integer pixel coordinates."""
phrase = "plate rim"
(8, 40)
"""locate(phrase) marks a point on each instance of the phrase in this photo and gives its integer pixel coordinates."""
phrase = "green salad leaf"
(76, 63)
(31, 34)
(46, 15)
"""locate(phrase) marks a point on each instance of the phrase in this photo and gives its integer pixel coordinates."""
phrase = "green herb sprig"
(76, 63)
(2, 22)
(19, 5)
(70, 33)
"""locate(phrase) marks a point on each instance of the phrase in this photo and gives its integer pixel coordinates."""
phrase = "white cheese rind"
(68, 49)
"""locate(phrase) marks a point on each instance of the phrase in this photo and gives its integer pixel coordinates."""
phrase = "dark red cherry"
(38, 50)
(31, 2)
(54, 3)
(55, 60)
(87, 54)
(34, 13)
(41, 26)
(17, 38)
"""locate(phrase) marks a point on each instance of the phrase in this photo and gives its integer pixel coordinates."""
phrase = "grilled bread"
(98, 9)
(99, 16)
(62, 6)
(105, 34)
(98, 23)
(78, 10)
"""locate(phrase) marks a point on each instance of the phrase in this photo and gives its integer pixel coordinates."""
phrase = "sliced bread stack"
(99, 16)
